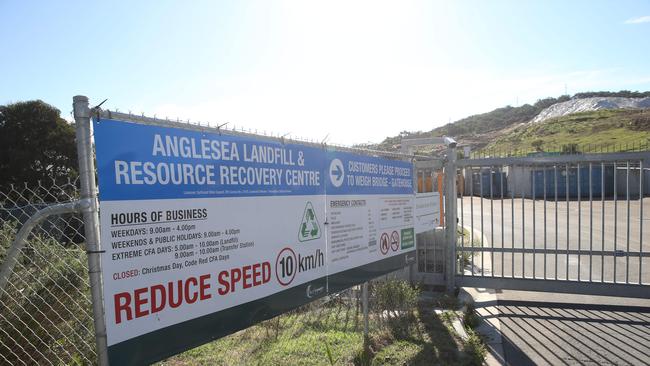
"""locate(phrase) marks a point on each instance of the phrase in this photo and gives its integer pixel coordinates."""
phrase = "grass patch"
(464, 239)
(398, 353)
(403, 331)
(297, 338)
(311, 348)
(429, 340)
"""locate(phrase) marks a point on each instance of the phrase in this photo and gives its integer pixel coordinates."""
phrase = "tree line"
(36, 144)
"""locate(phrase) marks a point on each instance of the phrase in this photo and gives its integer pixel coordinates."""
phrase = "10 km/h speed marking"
(288, 264)
(285, 266)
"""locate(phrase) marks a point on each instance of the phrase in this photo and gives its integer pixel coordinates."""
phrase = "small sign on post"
(427, 211)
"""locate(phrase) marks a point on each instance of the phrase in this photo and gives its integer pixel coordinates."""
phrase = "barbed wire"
(215, 127)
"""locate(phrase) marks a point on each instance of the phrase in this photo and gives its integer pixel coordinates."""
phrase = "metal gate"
(434, 266)
(564, 223)
(430, 244)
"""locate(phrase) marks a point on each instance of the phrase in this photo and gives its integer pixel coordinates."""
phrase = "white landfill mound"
(591, 104)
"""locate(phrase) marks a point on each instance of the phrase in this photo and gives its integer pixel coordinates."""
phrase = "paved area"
(574, 225)
(553, 329)
(533, 328)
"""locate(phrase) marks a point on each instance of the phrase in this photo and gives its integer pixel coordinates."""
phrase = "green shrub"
(395, 296)
(45, 308)
(475, 350)
(470, 318)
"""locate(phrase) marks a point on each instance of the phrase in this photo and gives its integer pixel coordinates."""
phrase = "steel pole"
(450, 214)
(364, 304)
(91, 220)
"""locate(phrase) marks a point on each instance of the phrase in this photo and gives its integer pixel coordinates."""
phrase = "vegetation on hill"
(482, 129)
(602, 130)
(622, 93)
(508, 116)
(476, 125)
(497, 119)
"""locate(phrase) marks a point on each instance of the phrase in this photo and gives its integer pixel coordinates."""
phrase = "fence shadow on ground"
(443, 347)
(567, 334)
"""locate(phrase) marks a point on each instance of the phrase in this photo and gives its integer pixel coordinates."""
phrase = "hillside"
(591, 104)
(507, 124)
(474, 130)
(602, 130)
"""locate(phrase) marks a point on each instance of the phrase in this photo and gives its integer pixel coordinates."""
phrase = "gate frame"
(448, 163)
(581, 287)
(430, 278)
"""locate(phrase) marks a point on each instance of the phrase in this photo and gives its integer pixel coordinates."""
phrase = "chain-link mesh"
(45, 306)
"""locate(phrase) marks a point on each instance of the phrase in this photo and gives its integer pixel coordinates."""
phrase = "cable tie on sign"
(97, 109)
(95, 251)
(219, 127)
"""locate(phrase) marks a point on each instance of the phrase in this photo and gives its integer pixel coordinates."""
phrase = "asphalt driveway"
(584, 225)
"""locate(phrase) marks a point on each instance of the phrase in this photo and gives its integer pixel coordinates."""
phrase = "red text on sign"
(249, 276)
(149, 300)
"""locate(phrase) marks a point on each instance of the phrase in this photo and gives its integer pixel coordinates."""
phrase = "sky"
(345, 71)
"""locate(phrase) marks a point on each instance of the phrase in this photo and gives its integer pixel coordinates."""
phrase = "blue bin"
(484, 179)
(538, 188)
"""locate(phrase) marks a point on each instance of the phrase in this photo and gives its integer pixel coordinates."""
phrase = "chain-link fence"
(46, 312)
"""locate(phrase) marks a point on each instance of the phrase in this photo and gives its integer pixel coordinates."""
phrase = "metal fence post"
(450, 214)
(364, 304)
(91, 219)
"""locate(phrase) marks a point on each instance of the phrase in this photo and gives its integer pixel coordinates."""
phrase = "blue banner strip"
(139, 162)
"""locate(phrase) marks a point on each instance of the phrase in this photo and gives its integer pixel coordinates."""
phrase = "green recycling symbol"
(309, 228)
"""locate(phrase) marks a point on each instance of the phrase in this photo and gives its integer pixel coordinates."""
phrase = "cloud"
(644, 19)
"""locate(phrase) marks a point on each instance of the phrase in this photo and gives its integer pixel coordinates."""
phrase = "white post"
(450, 215)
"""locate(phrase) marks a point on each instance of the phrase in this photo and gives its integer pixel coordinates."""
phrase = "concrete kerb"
(485, 303)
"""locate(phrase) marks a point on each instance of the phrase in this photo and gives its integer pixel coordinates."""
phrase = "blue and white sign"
(370, 212)
(205, 234)
(140, 162)
(361, 174)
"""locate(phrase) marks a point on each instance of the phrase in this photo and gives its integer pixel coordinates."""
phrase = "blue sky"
(356, 70)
